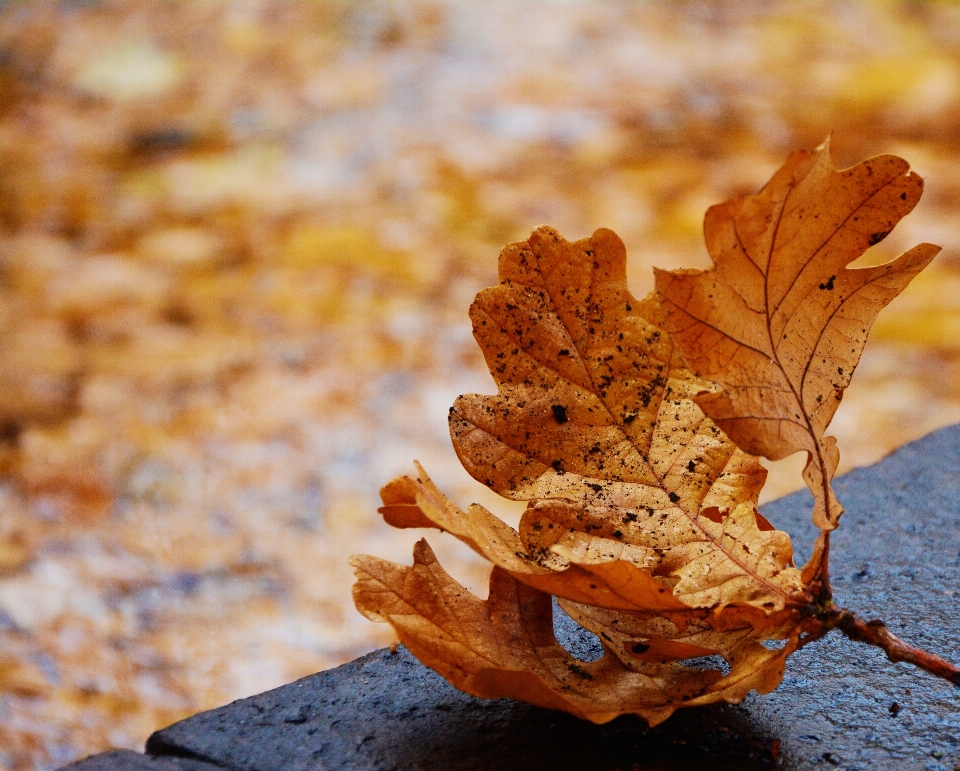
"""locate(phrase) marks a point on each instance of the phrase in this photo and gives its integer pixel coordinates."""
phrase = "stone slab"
(841, 704)
(125, 760)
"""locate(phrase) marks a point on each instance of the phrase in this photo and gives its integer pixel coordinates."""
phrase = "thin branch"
(875, 633)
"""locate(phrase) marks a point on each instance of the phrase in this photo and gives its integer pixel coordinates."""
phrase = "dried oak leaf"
(505, 646)
(780, 322)
(640, 506)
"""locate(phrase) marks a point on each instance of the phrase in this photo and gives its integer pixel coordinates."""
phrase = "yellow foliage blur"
(238, 241)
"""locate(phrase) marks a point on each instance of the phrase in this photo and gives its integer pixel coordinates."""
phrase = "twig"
(875, 633)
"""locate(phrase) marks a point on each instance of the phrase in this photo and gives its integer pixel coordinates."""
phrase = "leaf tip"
(422, 553)
(606, 239)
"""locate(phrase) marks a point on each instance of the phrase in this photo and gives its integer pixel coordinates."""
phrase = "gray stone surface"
(896, 556)
(125, 760)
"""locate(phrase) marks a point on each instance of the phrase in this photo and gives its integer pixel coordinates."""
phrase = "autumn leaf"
(780, 321)
(638, 502)
(569, 551)
(638, 497)
(619, 421)
(505, 647)
(595, 421)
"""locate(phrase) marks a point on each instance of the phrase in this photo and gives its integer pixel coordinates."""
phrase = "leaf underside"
(505, 647)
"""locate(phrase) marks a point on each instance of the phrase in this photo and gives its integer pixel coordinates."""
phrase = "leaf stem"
(876, 633)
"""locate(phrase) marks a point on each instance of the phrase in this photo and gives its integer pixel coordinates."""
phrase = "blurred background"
(238, 241)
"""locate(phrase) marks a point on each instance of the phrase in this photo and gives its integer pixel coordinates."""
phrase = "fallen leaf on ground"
(638, 502)
(505, 647)
(632, 429)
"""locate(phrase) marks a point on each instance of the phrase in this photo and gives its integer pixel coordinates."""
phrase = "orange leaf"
(780, 321)
(612, 418)
(638, 502)
(505, 647)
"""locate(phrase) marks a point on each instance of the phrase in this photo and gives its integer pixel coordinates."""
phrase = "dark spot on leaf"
(579, 671)
(559, 413)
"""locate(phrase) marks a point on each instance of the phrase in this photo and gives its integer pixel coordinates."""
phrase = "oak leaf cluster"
(632, 428)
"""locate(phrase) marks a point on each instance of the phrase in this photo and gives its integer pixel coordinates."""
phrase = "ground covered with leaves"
(237, 246)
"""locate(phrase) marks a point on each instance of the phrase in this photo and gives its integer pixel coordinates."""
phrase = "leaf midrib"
(694, 518)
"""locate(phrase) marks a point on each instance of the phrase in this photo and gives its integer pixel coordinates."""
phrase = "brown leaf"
(654, 507)
(590, 389)
(780, 321)
(595, 413)
(642, 516)
(505, 647)
(611, 579)
(639, 504)
(636, 638)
